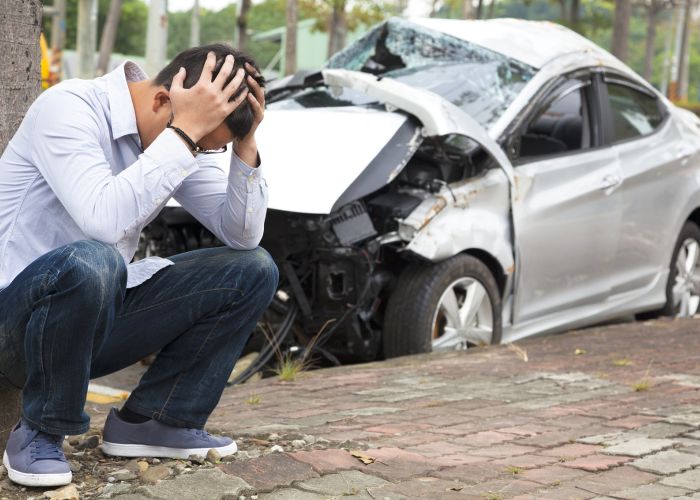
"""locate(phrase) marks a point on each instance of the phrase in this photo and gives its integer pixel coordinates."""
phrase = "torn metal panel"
(438, 116)
(473, 214)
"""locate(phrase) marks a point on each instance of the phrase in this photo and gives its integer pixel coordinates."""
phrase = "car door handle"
(610, 183)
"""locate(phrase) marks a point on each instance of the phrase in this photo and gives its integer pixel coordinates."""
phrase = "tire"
(672, 307)
(413, 316)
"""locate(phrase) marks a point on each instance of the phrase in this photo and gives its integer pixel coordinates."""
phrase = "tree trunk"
(243, 24)
(20, 82)
(683, 56)
(652, 15)
(621, 28)
(467, 9)
(194, 25)
(290, 43)
(562, 10)
(109, 35)
(337, 29)
(479, 9)
(574, 14)
(492, 7)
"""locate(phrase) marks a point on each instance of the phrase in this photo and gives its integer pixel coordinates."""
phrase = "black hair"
(241, 120)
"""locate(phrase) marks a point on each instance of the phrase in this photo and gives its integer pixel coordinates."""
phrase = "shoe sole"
(27, 479)
(142, 450)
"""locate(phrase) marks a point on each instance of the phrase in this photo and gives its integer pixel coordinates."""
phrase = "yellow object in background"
(45, 72)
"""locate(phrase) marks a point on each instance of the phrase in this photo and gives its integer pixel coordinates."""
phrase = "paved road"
(611, 412)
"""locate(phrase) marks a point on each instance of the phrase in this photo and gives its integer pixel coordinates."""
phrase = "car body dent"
(438, 116)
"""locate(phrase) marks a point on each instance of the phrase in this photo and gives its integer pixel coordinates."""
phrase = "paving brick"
(594, 463)
(439, 448)
(203, 484)
(638, 447)
(528, 429)
(551, 475)
(422, 487)
(269, 471)
(617, 479)
(526, 461)
(571, 451)
(343, 483)
(632, 421)
(330, 460)
(394, 464)
(398, 428)
(662, 430)
(500, 488)
(505, 450)
(472, 473)
(666, 462)
(486, 438)
(689, 480)
(649, 492)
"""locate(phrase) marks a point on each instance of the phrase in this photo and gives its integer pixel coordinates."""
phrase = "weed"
(253, 399)
(622, 362)
(492, 496)
(288, 368)
(645, 383)
(513, 469)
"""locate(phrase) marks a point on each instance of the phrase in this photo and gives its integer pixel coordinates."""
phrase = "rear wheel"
(447, 306)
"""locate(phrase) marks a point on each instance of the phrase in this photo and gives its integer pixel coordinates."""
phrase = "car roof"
(533, 42)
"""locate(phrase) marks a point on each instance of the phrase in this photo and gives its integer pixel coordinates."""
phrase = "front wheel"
(447, 306)
(683, 288)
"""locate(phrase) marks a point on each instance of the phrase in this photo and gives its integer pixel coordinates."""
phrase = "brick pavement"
(611, 412)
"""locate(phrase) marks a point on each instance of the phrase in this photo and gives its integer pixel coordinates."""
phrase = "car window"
(562, 126)
(634, 113)
(481, 82)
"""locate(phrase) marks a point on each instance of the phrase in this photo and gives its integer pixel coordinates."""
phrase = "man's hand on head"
(246, 148)
(203, 107)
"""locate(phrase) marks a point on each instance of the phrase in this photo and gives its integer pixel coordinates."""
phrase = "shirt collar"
(123, 116)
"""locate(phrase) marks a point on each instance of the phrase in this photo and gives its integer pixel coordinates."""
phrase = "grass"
(622, 362)
(644, 384)
(513, 469)
(492, 496)
(253, 399)
(288, 366)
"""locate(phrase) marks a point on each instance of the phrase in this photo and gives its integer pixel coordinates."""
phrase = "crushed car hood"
(316, 159)
(311, 156)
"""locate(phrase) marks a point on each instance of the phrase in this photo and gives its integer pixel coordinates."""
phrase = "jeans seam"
(153, 306)
(196, 357)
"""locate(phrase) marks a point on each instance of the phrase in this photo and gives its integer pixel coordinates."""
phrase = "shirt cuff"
(243, 168)
(173, 156)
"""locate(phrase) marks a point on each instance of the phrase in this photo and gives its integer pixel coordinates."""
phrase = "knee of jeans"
(96, 265)
(267, 270)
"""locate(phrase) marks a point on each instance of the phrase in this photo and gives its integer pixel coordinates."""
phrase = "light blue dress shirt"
(75, 170)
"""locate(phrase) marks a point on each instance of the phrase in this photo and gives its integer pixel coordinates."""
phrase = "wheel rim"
(463, 317)
(686, 286)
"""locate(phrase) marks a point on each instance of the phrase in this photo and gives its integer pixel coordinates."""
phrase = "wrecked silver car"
(442, 184)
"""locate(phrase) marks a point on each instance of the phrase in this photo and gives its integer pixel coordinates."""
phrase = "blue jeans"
(68, 317)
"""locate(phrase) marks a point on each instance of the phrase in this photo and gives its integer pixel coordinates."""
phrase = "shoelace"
(201, 433)
(44, 446)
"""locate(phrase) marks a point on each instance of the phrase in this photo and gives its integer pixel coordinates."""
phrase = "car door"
(566, 207)
(654, 171)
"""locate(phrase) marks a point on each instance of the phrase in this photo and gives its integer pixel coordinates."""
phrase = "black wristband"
(193, 145)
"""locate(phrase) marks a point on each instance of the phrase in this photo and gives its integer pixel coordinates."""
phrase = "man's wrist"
(247, 151)
(189, 130)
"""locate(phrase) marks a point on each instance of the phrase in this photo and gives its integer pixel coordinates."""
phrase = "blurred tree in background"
(591, 18)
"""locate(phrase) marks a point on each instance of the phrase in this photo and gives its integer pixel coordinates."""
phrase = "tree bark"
(290, 43)
(653, 10)
(621, 28)
(467, 9)
(109, 35)
(243, 24)
(683, 56)
(574, 14)
(492, 7)
(20, 83)
(479, 9)
(337, 29)
(194, 25)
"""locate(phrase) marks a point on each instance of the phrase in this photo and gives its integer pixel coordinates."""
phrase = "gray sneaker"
(155, 439)
(34, 458)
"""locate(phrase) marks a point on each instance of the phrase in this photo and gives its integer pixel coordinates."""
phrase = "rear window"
(634, 113)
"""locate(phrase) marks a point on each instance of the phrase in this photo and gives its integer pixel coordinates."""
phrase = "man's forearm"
(247, 150)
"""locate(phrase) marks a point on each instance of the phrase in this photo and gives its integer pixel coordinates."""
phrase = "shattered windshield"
(481, 82)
